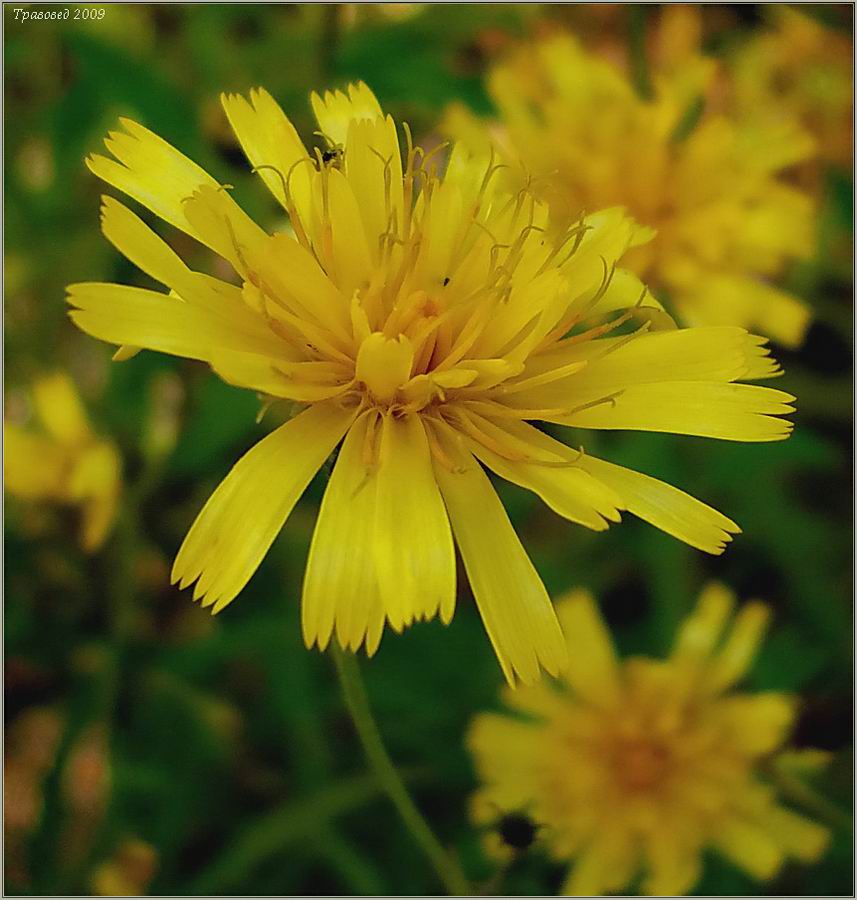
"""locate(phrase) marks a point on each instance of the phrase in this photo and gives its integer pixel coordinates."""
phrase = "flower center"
(640, 764)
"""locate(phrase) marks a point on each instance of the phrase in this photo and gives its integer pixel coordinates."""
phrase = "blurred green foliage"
(227, 747)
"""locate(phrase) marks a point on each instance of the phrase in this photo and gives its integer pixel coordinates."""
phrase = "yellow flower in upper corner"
(572, 124)
(424, 321)
(639, 767)
(65, 462)
(803, 70)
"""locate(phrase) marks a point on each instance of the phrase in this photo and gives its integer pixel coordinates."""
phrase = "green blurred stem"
(492, 887)
(801, 794)
(268, 836)
(637, 16)
(351, 682)
(329, 41)
(354, 868)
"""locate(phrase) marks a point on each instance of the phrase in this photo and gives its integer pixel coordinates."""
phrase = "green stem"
(328, 41)
(351, 682)
(270, 835)
(491, 887)
(802, 795)
(637, 16)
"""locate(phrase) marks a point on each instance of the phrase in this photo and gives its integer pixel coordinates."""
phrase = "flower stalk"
(351, 682)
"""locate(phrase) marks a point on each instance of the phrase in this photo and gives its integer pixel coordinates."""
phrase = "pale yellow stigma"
(384, 365)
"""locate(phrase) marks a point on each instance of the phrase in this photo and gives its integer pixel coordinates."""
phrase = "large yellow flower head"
(64, 461)
(424, 321)
(638, 767)
(574, 125)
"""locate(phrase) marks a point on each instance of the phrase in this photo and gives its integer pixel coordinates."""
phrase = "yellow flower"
(638, 767)
(801, 70)
(424, 321)
(66, 462)
(573, 124)
(128, 872)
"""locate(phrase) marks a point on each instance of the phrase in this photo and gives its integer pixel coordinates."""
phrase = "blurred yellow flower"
(128, 872)
(639, 767)
(65, 461)
(572, 125)
(798, 70)
(423, 321)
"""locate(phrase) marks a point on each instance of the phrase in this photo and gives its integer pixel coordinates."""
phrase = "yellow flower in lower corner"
(65, 462)
(424, 321)
(638, 767)
(128, 872)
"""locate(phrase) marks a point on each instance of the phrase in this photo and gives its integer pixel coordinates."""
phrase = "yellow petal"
(738, 652)
(757, 723)
(296, 277)
(335, 111)
(568, 490)
(689, 354)
(798, 836)
(748, 302)
(272, 145)
(60, 410)
(614, 364)
(351, 264)
(34, 466)
(413, 547)
(462, 125)
(664, 506)
(439, 240)
(803, 763)
(680, 34)
(609, 236)
(152, 172)
(98, 516)
(243, 516)
(674, 864)
(506, 753)
(95, 482)
(307, 381)
(130, 235)
(287, 281)
(341, 583)
(529, 314)
(702, 629)
(373, 166)
(125, 352)
(606, 865)
(749, 847)
(539, 701)
(593, 668)
(777, 144)
(225, 227)
(512, 600)
(627, 291)
(731, 412)
(143, 318)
